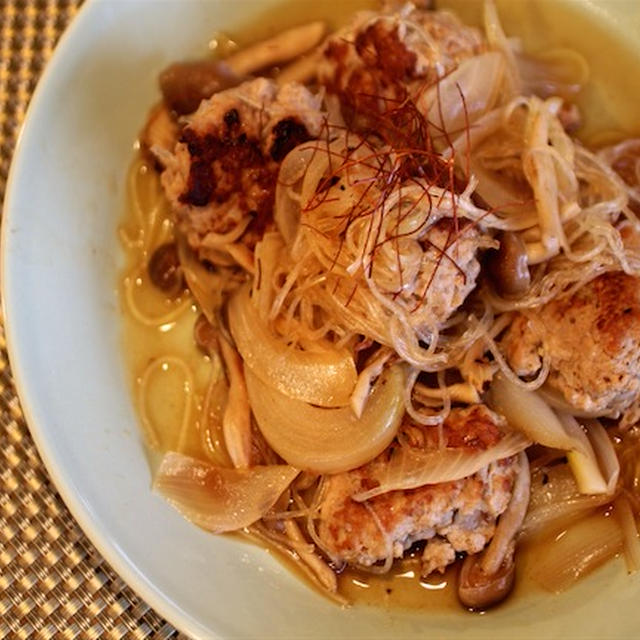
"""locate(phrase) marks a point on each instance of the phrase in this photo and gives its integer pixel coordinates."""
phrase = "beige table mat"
(53, 582)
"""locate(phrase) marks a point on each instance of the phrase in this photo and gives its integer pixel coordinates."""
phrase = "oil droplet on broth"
(401, 587)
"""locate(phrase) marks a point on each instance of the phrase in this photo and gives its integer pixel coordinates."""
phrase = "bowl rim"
(121, 564)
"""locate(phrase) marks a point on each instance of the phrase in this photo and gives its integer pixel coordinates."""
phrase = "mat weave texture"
(53, 582)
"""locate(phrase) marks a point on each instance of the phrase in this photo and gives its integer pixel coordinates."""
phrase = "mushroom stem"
(510, 521)
(479, 590)
(283, 47)
(236, 422)
(487, 578)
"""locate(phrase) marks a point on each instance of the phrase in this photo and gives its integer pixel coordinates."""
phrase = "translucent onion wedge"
(555, 502)
(582, 459)
(529, 413)
(409, 468)
(606, 455)
(325, 378)
(556, 72)
(551, 484)
(588, 544)
(467, 93)
(236, 420)
(506, 196)
(328, 440)
(286, 212)
(220, 499)
(631, 541)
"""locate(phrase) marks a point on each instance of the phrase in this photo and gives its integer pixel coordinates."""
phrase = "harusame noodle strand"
(153, 370)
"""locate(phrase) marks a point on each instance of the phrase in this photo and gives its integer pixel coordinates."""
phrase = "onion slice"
(328, 440)
(582, 459)
(286, 212)
(409, 468)
(631, 541)
(606, 455)
(220, 499)
(529, 413)
(555, 502)
(466, 93)
(585, 546)
(325, 378)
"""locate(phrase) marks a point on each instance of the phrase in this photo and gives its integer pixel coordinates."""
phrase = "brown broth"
(402, 587)
(160, 350)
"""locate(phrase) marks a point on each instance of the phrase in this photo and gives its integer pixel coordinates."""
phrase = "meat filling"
(222, 174)
(451, 517)
(592, 340)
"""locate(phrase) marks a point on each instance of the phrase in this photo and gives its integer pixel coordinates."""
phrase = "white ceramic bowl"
(60, 268)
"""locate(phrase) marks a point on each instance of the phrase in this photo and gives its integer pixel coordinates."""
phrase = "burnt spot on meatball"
(288, 134)
(381, 48)
(231, 119)
(201, 184)
(228, 164)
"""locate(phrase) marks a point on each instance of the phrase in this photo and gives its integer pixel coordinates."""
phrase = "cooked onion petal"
(286, 212)
(236, 421)
(529, 413)
(219, 499)
(582, 459)
(499, 42)
(605, 453)
(558, 72)
(631, 541)
(555, 502)
(325, 378)
(467, 93)
(328, 440)
(550, 484)
(409, 467)
(585, 546)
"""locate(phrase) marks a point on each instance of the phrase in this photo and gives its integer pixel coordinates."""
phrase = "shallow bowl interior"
(59, 276)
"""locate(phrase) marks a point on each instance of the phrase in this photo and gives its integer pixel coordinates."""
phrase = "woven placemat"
(53, 582)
